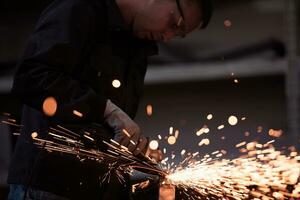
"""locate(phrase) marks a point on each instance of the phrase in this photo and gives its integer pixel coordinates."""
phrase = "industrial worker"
(91, 57)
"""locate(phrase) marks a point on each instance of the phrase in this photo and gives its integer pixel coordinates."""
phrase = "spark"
(171, 140)
(176, 134)
(240, 144)
(12, 120)
(223, 151)
(116, 83)
(204, 142)
(263, 174)
(88, 137)
(203, 130)
(206, 130)
(159, 137)
(171, 130)
(153, 145)
(270, 142)
(34, 134)
(215, 152)
(50, 106)
(275, 133)
(10, 123)
(173, 156)
(77, 113)
(200, 132)
(219, 155)
(149, 110)
(64, 130)
(251, 146)
(221, 127)
(236, 81)
(6, 114)
(209, 117)
(126, 133)
(232, 120)
(195, 154)
(182, 152)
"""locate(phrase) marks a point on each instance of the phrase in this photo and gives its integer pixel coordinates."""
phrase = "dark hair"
(207, 10)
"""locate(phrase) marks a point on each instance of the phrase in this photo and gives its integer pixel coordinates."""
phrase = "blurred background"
(244, 65)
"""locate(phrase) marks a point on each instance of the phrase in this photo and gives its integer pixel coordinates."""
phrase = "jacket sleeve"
(56, 49)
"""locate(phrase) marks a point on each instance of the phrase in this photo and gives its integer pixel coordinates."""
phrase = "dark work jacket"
(77, 49)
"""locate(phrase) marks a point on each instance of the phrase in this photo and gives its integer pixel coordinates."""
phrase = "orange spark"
(49, 106)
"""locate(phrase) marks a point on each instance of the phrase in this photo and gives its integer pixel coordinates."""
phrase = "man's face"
(161, 20)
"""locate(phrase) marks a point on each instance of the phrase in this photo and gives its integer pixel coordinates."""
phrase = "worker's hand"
(127, 132)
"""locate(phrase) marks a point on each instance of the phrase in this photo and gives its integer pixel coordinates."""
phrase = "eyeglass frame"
(181, 18)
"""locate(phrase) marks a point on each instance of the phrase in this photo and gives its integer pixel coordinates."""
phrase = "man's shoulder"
(66, 7)
(70, 11)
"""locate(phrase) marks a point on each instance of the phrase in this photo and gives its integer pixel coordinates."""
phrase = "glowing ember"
(240, 144)
(275, 133)
(206, 130)
(116, 83)
(171, 140)
(209, 117)
(204, 142)
(149, 110)
(236, 81)
(34, 134)
(153, 145)
(173, 156)
(88, 137)
(176, 134)
(232, 120)
(243, 118)
(251, 146)
(200, 132)
(77, 113)
(182, 152)
(126, 133)
(221, 127)
(50, 106)
(171, 130)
